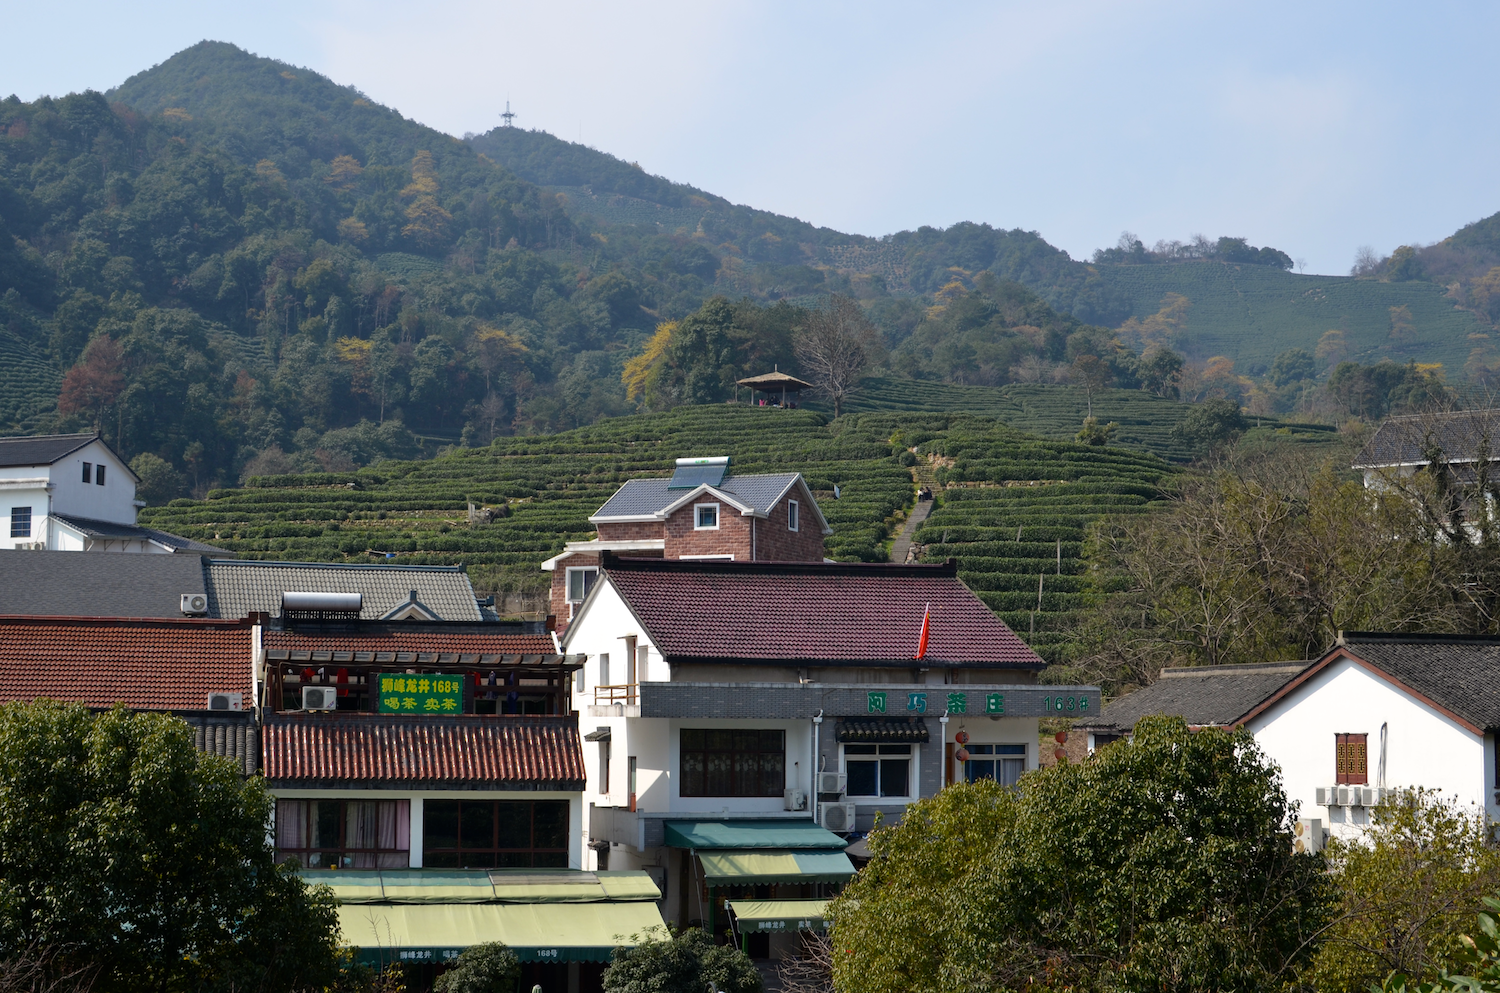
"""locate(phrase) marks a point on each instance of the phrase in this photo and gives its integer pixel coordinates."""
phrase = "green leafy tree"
(1094, 433)
(1161, 372)
(160, 480)
(488, 968)
(1163, 864)
(1476, 967)
(1211, 425)
(1292, 366)
(681, 962)
(124, 849)
(1407, 886)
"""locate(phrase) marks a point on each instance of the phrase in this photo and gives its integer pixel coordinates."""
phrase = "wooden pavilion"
(776, 385)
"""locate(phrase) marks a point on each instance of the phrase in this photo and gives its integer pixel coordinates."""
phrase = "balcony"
(619, 700)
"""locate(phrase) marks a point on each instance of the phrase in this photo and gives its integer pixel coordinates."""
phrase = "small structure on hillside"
(780, 389)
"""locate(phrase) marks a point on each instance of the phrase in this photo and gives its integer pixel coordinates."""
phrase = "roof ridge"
(337, 566)
(623, 563)
(191, 622)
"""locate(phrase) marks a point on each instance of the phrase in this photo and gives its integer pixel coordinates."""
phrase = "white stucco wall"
(13, 496)
(114, 501)
(1424, 747)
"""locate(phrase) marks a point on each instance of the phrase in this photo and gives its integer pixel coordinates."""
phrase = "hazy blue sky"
(1313, 127)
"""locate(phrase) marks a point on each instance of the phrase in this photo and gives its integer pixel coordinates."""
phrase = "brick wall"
(635, 531)
(558, 602)
(775, 542)
(731, 538)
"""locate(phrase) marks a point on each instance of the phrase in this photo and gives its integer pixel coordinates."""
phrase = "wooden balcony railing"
(624, 693)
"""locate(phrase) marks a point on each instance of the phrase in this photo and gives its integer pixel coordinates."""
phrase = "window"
(603, 668)
(344, 834)
(99, 474)
(88, 469)
(580, 581)
(878, 770)
(495, 834)
(791, 515)
(1351, 759)
(705, 517)
(630, 777)
(1002, 763)
(723, 762)
(604, 768)
(20, 522)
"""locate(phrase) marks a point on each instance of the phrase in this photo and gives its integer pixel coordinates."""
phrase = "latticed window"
(1351, 761)
(495, 834)
(723, 762)
(344, 834)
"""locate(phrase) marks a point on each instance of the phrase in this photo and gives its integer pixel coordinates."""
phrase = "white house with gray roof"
(73, 493)
(702, 511)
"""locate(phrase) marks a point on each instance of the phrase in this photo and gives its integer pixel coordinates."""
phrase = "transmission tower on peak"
(508, 116)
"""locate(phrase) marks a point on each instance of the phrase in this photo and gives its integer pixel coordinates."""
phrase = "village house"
(71, 492)
(1377, 713)
(701, 512)
(742, 720)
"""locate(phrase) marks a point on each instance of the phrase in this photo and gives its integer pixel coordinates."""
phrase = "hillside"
(415, 512)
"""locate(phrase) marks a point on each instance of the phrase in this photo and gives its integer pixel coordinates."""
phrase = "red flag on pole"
(926, 623)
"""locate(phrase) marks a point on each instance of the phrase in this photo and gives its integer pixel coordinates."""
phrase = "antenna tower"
(508, 116)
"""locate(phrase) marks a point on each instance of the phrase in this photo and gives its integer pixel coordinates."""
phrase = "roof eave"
(900, 663)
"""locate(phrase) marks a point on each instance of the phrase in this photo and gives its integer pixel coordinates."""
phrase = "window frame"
(88, 472)
(698, 509)
(25, 514)
(878, 758)
(694, 783)
(993, 758)
(588, 585)
(99, 474)
(793, 515)
(1351, 749)
(344, 855)
(439, 857)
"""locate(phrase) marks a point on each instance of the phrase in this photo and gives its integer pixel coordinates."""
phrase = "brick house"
(701, 512)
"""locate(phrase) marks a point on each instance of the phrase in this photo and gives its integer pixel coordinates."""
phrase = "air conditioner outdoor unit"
(1307, 835)
(320, 698)
(795, 800)
(194, 603)
(830, 782)
(1374, 796)
(836, 817)
(226, 701)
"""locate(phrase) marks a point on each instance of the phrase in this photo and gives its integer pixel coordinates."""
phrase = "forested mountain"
(232, 266)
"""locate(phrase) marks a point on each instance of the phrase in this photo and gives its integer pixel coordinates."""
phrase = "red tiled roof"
(529, 752)
(156, 664)
(460, 642)
(813, 612)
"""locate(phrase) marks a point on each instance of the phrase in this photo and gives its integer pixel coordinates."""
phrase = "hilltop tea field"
(1011, 507)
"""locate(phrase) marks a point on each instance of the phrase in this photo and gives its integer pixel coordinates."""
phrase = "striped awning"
(761, 868)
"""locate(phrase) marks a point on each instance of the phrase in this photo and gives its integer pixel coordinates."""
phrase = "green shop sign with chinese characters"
(405, 693)
(977, 702)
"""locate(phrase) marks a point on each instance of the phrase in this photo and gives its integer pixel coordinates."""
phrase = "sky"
(1315, 128)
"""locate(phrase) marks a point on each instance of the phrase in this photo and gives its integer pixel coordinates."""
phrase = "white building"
(1377, 713)
(71, 492)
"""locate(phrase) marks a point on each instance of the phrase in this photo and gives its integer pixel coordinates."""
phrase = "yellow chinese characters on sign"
(421, 693)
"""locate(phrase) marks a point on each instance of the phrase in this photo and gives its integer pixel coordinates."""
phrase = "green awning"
(757, 868)
(751, 916)
(387, 933)
(802, 834)
(484, 886)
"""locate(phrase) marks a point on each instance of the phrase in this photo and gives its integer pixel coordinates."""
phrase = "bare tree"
(810, 972)
(834, 347)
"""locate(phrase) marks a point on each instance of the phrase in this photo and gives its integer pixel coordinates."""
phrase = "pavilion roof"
(774, 380)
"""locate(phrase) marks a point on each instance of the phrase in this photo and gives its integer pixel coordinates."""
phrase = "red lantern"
(1060, 754)
(962, 754)
(1061, 737)
(962, 737)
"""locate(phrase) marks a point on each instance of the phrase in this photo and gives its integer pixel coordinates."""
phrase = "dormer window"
(88, 469)
(705, 517)
(99, 474)
(791, 515)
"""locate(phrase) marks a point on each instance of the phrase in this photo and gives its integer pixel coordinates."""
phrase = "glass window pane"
(772, 773)
(325, 822)
(860, 749)
(439, 826)
(551, 824)
(1010, 771)
(440, 860)
(895, 749)
(291, 822)
(478, 860)
(862, 778)
(975, 770)
(893, 776)
(694, 739)
(550, 860)
(1010, 749)
(515, 824)
(476, 827)
(516, 860)
(692, 773)
(716, 775)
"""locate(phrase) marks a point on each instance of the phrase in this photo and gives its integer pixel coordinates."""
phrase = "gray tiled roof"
(43, 449)
(115, 530)
(1457, 673)
(1210, 695)
(1406, 440)
(237, 587)
(642, 497)
(97, 584)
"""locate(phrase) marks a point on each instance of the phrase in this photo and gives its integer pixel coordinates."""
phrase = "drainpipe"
(1380, 770)
(812, 800)
(943, 749)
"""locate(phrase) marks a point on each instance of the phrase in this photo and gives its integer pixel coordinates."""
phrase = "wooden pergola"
(774, 384)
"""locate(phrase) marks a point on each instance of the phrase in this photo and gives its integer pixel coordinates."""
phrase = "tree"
(1093, 375)
(1406, 886)
(1094, 433)
(1164, 863)
(160, 480)
(1478, 959)
(93, 385)
(1292, 366)
(681, 962)
(488, 968)
(1161, 372)
(834, 346)
(1211, 425)
(124, 848)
